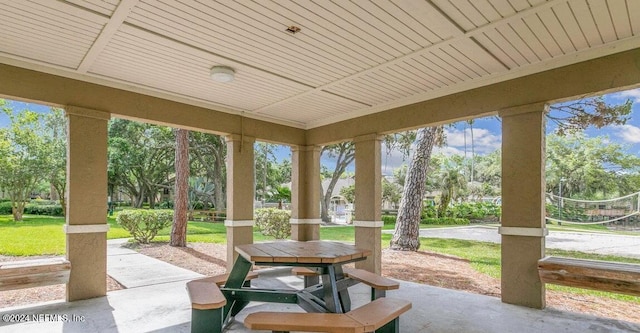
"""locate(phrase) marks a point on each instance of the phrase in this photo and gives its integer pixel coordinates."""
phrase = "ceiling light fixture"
(222, 74)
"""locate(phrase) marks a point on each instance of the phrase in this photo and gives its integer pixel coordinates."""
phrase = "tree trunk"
(407, 231)
(181, 197)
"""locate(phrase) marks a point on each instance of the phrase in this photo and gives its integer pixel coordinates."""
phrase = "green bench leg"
(206, 321)
(391, 327)
(377, 293)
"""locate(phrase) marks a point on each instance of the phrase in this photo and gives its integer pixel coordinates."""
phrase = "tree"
(405, 235)
(24, 157)
(56, 141)
(208, 152)
(141, 158)
(589, 167)
(181, 189)
(451, 181)
(570, 117)
(344, 153)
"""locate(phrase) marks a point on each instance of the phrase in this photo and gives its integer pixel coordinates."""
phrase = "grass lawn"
(38, 235)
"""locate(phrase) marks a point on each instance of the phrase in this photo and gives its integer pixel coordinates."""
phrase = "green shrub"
(41, 209)
(144, 224)
(445, 221)
(273, 222)
(5, 208)
(43, 202)
(389, 219)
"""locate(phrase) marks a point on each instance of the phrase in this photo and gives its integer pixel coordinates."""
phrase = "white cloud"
(484, 141)
(633, 94)
(628, 133)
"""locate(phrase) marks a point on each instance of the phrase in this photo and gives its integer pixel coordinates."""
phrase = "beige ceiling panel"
(634, 16)
(570, 26)
(430, 17)
(520, 5)
(306, 44)
(204, 29)
(516, 41)
(503, 7)
(478, 58)
(105, 7)
(188, 77)
(335, 28)
(602, 16)
(552, 24)
(312, 107)
(486, 9)
(414, 29)
(528, 37)
(583, 15)
(506, 46)
(376, 22)
(620, 17)
(461, 19)
(542, 33)
(47, 32)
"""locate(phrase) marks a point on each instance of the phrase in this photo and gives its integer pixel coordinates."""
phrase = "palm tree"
(451, 182)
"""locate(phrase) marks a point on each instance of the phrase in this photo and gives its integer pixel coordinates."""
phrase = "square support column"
(305, 193)
(523, 220)
(240, 194)
(368, 223)
(86, 221)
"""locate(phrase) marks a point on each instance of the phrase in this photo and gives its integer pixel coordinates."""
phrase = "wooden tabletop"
(311, 252)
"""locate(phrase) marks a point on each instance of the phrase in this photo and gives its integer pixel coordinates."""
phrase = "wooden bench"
(381, 315)
(207, 301)
(207, 215)
(591, 274)
(379, 284)
(34, 273)
(221, 279)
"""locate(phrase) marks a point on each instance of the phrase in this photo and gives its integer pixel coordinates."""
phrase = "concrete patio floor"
(165, 307)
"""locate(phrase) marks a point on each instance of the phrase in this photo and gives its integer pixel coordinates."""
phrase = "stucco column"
(523, 224)
(240, 194)
(305, 193)
(86, 221)
(368, 223)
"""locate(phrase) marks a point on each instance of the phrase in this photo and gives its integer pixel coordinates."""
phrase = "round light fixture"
(222, 74)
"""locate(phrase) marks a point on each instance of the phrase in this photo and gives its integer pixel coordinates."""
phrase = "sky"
(486, 131)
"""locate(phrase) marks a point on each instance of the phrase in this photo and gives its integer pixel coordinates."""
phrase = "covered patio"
(167, 308)
(308, 74)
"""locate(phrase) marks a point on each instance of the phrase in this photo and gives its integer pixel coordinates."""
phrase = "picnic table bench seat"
(379, 284)
(591, 274)
(34, 273)
(207, 301)
(381, 315)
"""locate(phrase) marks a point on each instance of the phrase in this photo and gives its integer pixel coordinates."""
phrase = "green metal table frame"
(329, 296)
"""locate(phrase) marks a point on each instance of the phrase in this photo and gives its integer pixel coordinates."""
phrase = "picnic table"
(214, 308)
(325, 256)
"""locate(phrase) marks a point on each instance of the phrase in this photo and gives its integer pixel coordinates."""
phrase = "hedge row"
(33, 208)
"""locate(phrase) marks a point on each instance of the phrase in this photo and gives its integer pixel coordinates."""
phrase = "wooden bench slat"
(591, 274)
(308, 322)
(221, 279)
(34, 273)
(205, 295)
(304, 271)
(374, 280)
(366, 318)
(379, 312)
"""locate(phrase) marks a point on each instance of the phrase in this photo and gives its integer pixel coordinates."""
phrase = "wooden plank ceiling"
(350, 58)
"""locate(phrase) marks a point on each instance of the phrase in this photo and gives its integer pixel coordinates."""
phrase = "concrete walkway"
(165, 307)
(132, 269)
(590, 242)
